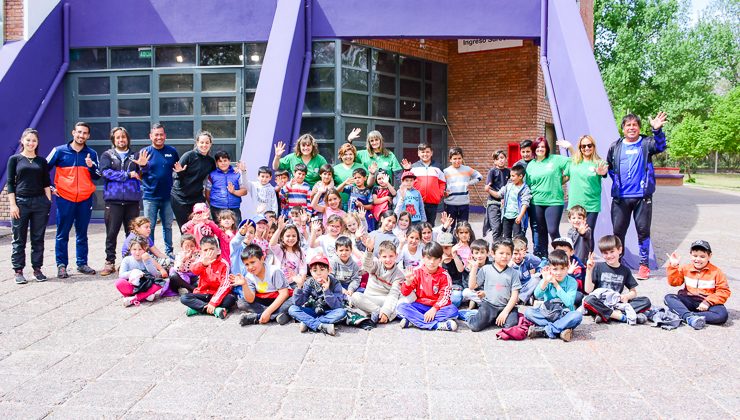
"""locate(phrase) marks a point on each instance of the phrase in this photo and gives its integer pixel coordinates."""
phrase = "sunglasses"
(587, 146)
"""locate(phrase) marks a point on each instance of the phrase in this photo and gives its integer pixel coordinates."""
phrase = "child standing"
(267, 295)
(281, 180)
(297, 192)
(332, 204)
(500, 290)
(580, 233)
(262, 192)
(140, 275)
(497, 178)
(430, 180)
(225, 186)
(212, 296)
(702, 300)
(360, 196)
(318, 301)
(380, 297)
(432, 309)
(200, 225)
(383, 195)
(459, 178)
(557, 317)
(612, 275)
(409, 199)
(515, 199)
(344, 267)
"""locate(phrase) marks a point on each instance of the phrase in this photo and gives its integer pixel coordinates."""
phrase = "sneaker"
(39, 275)
(328, 329)
(250, 318)
(696, 322)
(19, 278)
(85, 269)
(449, 325)
(62, 272)
(535, 332)
(182, 291)
(191, 312)
(302, 327)
(282, 318)
(598, 319)
(641, 318)
(566, 335)
(375, 317)
(405, 323)
(108, 269)
(220, 313)
(131, 301)
(643, 273)
(154, 296)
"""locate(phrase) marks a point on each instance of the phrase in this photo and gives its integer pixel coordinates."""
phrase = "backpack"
(517, 332)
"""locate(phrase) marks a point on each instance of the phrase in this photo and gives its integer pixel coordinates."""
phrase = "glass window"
(182, 56)
(354, 79)
(93, 85)
(327, 150)
(411, 88)
(139, 130)
(93, 109)
(410, 110)
(218, 82)
(175, 106)
(436, 138)
(133, 107)
(254, 53)
(322, 77)
(384, 61)
(100, 131)
(220, 129)
(355, 104)
(127, 58)
(179, 129)
(87, 59)
(384, 84)
(228, 148)
(319, 102)
(349, 126)
(320, 128)
(322, 53)
(251, 77)
(410, 67)
(354, 56)
(384, 107)
(411, 135)
(176, 83)
(133, 84)
(224, 105)
(221, 55)
(248, 101)
(389, 134)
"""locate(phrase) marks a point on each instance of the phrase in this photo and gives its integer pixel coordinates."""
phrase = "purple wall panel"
(97, 23)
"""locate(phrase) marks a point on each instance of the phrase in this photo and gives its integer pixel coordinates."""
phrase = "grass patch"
(728, 181)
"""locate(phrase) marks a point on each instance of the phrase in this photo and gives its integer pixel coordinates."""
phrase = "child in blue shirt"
(529, 267)
(360, 195)
(225, 187)
(576, 268)
(409, 199)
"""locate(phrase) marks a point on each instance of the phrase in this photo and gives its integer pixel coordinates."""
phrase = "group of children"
(370, 253)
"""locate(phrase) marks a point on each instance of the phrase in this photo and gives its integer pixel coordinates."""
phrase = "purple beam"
(307, 57)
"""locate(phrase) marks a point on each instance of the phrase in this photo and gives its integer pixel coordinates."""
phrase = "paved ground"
(68, 349)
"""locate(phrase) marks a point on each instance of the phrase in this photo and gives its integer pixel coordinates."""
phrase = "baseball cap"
(200, 208)
(244, 222)
(444, 239)
(318, 259)
(258, 219)
(407, 174)
(701, 244)
(562, 241)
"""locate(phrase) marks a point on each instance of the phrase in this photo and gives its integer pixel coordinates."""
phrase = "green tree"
(723, 125)
(687, 142)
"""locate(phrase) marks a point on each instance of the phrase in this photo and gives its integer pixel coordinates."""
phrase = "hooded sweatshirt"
(431, 289)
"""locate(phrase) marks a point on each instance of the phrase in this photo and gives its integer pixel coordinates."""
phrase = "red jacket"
(213, 280)
(73, 180)
(430, 181)
(710, 282)
(431, 289)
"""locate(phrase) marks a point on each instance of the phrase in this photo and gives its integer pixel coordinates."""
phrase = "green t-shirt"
(290, 161)
(387, 163)
(341, 173)
(585, 186)
(545, 180)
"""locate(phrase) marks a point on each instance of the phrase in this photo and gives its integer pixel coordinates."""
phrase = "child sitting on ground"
(580, 233)
(200, 225)
(140, 274)
(454, 266)
(327, 243)
(432, 286)
(705, 289)
(331, 205)
(343, 266)
(383, 285)
(318, 301)
(528, 266)
(182, 279)
(476, 260)
(557, 317)
(142, 227)
(267, 295)
(576, 268)
(499, 292)
(402, 226)
(213, 294)
(410, 255)
(613, 276)
(385, 232)
(227, 221)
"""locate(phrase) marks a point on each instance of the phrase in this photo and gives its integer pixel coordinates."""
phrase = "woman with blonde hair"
(375, 152)
(306, 151)
(586, 172)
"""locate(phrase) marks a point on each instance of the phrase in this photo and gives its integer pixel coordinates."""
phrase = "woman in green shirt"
(306, 151)
(586, 172)
(375, 152)
(343, 169)
(546, 174)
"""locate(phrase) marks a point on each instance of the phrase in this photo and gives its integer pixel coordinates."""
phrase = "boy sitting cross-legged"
(267, 295)
(380, 297)
(212, 296)
(318, 300)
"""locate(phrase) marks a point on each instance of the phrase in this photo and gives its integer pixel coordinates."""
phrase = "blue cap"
(245, 221)
(258, 218)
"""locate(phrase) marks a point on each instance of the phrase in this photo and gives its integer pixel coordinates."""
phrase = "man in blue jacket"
(630, 162)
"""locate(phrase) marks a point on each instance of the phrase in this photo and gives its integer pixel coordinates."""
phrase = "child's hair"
(343, 242)
(609, 242)
(454, 151)
(332, 191)
(187, 237)
(404, 214)
(558, 257)
(498, 153)
(386, 214)
(524, 144)
(228, 214)
(336, 218)
(576, 211)
(387, 246)
(295, 211)
(272, 228)
(326, 168)
(433, 250)
(355, 216)
(424, 225)
(139, 240)
(269, 213)
(300, 168)
(414, 229)
(279, 172)
(464, 225)
(264, 170)
(138, 222)
(479, 245)
(252, 250)
(222, 154)
(209, 240)
(518, 169)
(360, 171)
(297, 245)
(423, 146)
(505, 243)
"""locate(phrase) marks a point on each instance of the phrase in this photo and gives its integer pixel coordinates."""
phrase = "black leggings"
(177, 282)
(548, 222)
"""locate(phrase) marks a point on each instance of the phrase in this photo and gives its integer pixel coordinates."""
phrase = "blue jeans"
(414, 312)
(308, 316)
(164, 209)
(571, 319)
(71, 214)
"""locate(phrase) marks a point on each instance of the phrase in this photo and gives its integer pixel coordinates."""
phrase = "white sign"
(485, 44)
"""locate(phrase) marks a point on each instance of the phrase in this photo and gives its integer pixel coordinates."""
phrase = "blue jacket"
(650, 146)
(119, 186)
(524, 198)
(156, 178)
(220, 196)
(530, 262)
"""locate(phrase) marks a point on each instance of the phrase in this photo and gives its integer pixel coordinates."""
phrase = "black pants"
(591, 218)
(182, 209)
(431, 211)
(641, 210)
(177, 282)
(487, 314)
(685, 306)
(510, 229)
(117, 213)
(548, 222)
(458, 213)
(260, 304)
(493, 222)
(597, 307)
(198, 301)
(215, 211)
(34, 211)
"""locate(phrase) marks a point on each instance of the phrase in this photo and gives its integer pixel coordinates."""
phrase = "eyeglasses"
(587, 146)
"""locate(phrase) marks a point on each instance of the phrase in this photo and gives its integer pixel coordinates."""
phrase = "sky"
(696, 7)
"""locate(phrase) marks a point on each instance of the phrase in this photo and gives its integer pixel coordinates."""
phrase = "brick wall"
(427, 49)
(13, 23)
(587, 14)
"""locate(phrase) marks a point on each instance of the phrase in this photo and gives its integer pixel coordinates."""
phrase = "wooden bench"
(668, 176)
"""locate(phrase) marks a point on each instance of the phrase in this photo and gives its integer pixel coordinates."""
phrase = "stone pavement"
(69, 349)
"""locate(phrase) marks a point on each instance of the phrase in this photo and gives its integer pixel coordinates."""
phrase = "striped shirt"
(458, 181)
(297, 195)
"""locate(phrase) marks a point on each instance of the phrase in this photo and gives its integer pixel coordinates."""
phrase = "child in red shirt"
(213, 294)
